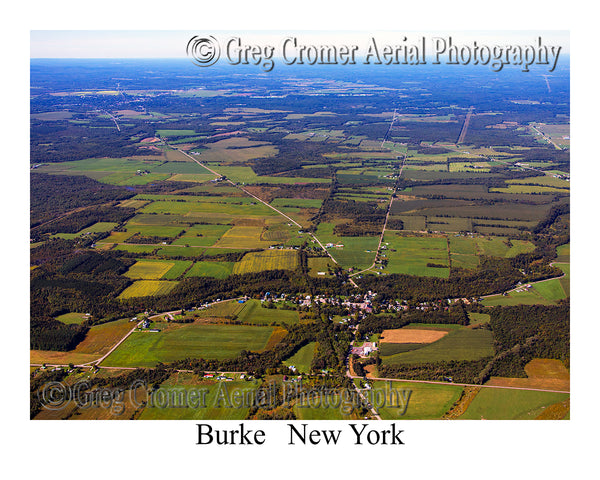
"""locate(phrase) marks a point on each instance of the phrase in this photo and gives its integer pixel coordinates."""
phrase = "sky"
(171, 44)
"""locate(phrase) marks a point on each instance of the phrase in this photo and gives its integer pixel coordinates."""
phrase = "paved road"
(387, 216)
(263, 202)
(463, 131)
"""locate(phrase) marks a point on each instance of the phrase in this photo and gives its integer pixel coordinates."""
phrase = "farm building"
(365, 349)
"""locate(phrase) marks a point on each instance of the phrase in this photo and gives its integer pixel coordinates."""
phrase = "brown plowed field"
(410, 335)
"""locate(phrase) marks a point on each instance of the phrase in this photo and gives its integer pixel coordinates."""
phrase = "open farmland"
(416, 255)
(96, 343)
(149, 269)
(145, 288)
(215, 405)
(267, 260)
(427, 401)
(419, 212)
(210, 269)
(459, 344)
(254, 314)
(302, 359)
(411, 335)
(176, 342)
(499, 403)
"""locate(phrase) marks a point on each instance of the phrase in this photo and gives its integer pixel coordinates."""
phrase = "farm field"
(267, 260)
(542, 374)
(243, 237)
(254, 313)
(218, 402)
(427, 401)
(177, 342)
(415, 255)
(459, 344)
(499, 403)
(145, 288)
(210, 269)
(320, 264)
(357, 252)
(302, 359)
(149, 269)
(96, 343)
(73, 317)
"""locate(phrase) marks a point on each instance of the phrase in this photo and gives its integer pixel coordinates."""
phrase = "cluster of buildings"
(365, 349)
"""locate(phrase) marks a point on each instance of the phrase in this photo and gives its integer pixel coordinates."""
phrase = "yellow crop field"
(267, 260)
(146, 270)
(146, 288)
(243, 237)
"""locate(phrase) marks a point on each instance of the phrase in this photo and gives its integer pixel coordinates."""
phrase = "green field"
(320, 264)
(73, 317)
(411, 255)
(267, 260)
(302, 359)
(427, 401)
(202, 235)
(459, 344)
(146, 288)
(177, 270)
(219, 400)
(563, 252)
(177, 342)
(174, 133)
(478, 318)
(357, 252)
(211, 269)
(243, 237)
(492, 246)
(254, 313)
(509, 404)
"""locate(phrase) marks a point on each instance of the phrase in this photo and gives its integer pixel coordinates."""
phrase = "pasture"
(177, 342)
